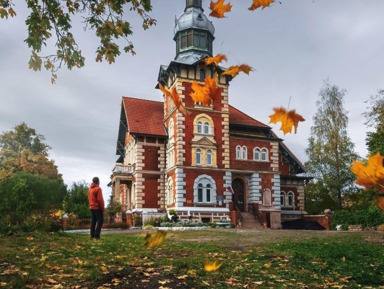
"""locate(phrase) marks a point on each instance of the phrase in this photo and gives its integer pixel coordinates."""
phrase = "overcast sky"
(293, 47)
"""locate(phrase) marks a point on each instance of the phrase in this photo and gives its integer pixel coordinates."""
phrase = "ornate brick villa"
(186, 163)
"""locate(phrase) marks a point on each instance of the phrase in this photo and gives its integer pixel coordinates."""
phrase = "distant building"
(207, 164)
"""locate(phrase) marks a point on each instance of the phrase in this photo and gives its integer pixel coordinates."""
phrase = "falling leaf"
(288, 119)
(155, 239)
(206, 93)
(371, 175)
(380, 202)
(210, 266)
(260, 3)
(236, 69)
(216, 59)
(219, 8)
(176, 99)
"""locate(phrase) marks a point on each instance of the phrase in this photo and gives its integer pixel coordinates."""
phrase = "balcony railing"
(123, 169)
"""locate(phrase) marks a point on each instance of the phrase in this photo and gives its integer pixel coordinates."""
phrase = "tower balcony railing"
(123, 169)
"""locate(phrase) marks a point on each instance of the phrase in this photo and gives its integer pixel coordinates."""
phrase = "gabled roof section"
(144, 116)
(240, 118)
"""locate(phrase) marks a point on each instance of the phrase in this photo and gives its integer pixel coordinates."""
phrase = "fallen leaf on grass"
(211, 266)
(155, 239)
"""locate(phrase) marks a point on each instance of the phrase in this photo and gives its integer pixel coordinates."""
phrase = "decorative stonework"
(227, 183)
(180, 188)
(255, 189)
(275, 156)
(276, 191)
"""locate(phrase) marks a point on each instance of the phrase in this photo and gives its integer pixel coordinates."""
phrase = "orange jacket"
(95, 198)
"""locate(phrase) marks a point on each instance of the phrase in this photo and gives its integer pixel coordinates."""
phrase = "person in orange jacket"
(96, 205)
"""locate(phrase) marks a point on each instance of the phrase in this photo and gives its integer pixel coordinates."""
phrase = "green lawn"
(258, 259)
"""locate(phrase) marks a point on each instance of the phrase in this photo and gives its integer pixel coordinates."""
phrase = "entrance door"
(239, 194)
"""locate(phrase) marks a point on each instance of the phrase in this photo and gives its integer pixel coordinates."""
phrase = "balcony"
(122, 172)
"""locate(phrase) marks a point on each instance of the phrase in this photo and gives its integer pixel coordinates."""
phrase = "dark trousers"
(96, 223)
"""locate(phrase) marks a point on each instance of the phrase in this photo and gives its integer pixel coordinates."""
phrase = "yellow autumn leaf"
(370, 175)
(288, 119)
(211, 266)
(155, 239)
(236, 69)
(219, 8)
(260, 3)
(218, 58)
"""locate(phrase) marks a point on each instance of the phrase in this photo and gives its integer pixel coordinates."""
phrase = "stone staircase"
(250, 222)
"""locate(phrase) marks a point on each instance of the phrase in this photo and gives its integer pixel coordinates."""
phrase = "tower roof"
(193, 18)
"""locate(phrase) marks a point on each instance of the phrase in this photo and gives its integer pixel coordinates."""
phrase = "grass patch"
(285, 260)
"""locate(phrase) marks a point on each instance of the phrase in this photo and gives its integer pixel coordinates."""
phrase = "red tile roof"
(144, 116)
(238, 117)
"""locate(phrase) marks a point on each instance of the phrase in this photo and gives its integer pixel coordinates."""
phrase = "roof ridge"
(248, 115)
(143, 99)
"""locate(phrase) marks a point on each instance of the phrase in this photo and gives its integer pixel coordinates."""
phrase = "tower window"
(202, 74)
(209, 158)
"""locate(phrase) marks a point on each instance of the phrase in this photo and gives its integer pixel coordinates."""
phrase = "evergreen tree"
(76, 201)
(330, 152)
(375, 119)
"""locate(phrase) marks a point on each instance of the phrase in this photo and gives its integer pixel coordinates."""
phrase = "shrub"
(25, 194)
(371, 217)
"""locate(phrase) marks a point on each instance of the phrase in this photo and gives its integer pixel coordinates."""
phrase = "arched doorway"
(238, 197)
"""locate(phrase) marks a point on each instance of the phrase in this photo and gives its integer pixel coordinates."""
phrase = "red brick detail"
(151, 155)
(151, 196)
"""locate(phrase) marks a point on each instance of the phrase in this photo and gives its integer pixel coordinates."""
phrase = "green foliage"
(375, 119)
(54, 18)
(22, 149)
(368, 218)
(25, 194)
(330, 151)
(76, 201)
(113, 208)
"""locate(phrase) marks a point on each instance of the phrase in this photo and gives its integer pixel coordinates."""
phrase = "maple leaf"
(371, 175)
(205, 93)
(155, 239)
(210, 266)
(260, 3)
(176, 99)
(380, 202)
(219, 8)
(288, 119)
(216, 59)
(236, 69)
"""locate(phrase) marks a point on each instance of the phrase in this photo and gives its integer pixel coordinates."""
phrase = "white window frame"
(199, 128)
(209, 158)
(264, 154)
(207, 128)
(282, 198)
(244, 153)
(291, 199)
(206, 186)
(256, 150)
(198, 156)
(238, 152)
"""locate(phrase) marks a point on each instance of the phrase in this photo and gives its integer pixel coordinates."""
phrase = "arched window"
(267, 197)
(198, 157)
(264, 154)
(170, 192)
(207, 128)
(171, 129)
(209, 158)
(282, 199)
(204, 189)
(256, 154)
(238, 152)
(244, 152)
(199, 127)
(290, 199)
(200, 193)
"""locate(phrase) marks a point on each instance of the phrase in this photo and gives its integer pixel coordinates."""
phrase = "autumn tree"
(375, 119)
(22, 149)
(330, 152)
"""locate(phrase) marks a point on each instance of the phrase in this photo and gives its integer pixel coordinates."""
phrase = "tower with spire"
(212, 162)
